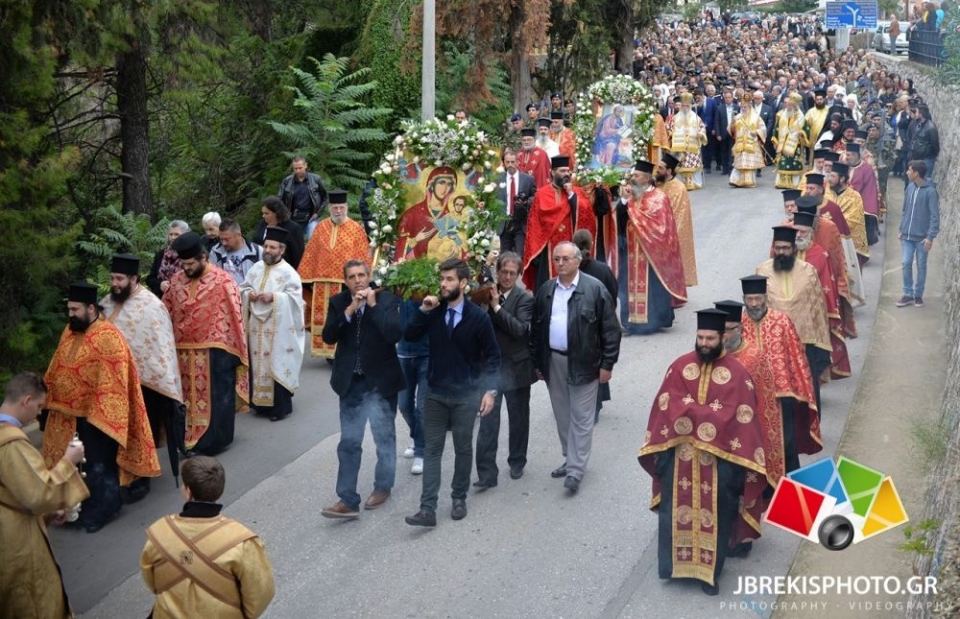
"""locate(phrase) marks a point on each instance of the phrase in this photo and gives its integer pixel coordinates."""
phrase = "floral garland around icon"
(437, 142)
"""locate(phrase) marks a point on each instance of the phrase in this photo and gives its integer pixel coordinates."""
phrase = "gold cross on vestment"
(684, 483)
(716, 405)
(735, 444)
(684, 554)
(687, 399)
(665, 431)
(705, 488)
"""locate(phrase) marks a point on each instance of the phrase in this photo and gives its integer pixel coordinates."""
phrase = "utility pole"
(429, 69)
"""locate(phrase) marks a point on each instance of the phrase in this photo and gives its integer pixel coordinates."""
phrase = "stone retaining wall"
(943, 495)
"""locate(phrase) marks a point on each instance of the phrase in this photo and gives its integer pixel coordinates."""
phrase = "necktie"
(451, 313)
(512, 194)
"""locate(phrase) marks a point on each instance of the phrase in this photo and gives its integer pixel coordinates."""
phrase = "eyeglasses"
(564, 258)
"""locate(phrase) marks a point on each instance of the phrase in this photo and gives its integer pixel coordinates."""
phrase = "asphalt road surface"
(526, 549)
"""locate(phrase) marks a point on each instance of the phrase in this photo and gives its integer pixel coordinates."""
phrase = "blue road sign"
(852, 14)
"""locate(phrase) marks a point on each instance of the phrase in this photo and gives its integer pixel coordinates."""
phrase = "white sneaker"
(417, 468)
(408, 452)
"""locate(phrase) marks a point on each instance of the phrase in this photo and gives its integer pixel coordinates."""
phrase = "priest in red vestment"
(204, 306)
(773, 333)
(651, 276)
(816, 256)
(559, 209)
(532, 159)
(704, 450)
(805, 426)
(863, 178)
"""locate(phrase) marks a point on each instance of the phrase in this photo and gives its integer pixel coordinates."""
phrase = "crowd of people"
(221, 323)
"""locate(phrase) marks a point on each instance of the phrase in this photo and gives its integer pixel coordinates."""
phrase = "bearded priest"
(272, 298)
(704, 449)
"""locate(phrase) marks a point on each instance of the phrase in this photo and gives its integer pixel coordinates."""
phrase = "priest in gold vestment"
(682, 214)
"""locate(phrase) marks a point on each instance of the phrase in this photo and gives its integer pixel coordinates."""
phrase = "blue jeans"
(361, 403)
(909, 250)
(413, 397)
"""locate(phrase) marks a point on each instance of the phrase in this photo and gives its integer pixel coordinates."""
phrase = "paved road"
(526, 548)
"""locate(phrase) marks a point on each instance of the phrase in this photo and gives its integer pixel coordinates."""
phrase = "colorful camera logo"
(836, 504)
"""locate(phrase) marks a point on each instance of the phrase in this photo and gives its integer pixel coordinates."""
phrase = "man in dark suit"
(710, 151)
(365, 325)
(766, 114)
(510, 310)
(726, 111)
(463, 375)
(514, 183)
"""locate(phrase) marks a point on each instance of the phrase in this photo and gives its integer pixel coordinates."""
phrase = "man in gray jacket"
(574, 342)
(303, 193)
(919, 226)
(510, 310)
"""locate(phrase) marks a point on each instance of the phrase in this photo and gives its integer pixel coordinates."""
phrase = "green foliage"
(336, 131)
(800, 6)
(385, 48)
(930, 438)
(918, 538)
(949, 72)
(413, 278)
(454, 90)
(731, 5)
(38, 225)
(118, 232)
(691, 10)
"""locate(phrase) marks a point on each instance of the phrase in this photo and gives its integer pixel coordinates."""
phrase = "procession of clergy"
(133, 370)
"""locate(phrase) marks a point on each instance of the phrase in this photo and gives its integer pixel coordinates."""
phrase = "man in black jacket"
(925, 143)
(365, 325)
(302, 193)
(463, 373)
(575, 342)
(510, 310)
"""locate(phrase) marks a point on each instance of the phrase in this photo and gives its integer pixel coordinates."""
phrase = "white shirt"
(558, 313)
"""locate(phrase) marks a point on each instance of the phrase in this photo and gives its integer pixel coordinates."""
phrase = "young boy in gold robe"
(199, 563)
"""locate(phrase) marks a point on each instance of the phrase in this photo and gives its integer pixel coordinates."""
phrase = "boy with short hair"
(201, 564)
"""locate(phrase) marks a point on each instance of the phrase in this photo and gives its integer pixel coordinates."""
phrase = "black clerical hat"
(125, 264)
(831, 156)
(820, 92)
(734, 309)
(560, 161)
(820, 152)
(814, 178)
(853, 147)
(278, 234)
(555, 115)
(712, 319)
(543, 122)
(670, 161)
(849, 124)
(188, 245)
(803, 218)
(82, 292)
(337, 196)
(842, 169)
(790, 195)
(807, 204)
(643, 166)
(754, 284)
(528, 133)
(785, 233)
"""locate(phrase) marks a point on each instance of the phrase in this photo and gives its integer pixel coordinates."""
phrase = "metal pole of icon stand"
(428, 71)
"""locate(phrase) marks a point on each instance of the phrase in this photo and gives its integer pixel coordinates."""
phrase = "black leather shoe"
(422, 519)
(572, 484)
(560, 471)
(710, 589)
(459, 511)
(741, 551)
(516, 472)
(484, 485)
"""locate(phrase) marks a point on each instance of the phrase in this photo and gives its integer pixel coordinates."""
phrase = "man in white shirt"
(575, 342)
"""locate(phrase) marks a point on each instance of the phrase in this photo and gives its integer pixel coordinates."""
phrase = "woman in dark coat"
(275, 213)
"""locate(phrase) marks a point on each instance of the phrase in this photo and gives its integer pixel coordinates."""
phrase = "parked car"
(881, 40)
